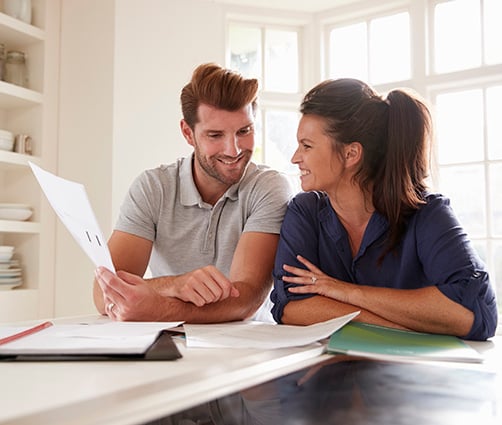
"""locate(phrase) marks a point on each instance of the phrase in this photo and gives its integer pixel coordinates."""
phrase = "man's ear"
(187, 132)
(353, 153)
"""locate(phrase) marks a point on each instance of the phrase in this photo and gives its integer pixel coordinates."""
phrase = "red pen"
(26, 332)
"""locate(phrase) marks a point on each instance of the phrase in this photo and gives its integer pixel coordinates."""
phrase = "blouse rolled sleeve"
(451, 261)
(474, 294)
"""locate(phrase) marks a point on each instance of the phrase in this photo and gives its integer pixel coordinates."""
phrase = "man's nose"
(232, 146)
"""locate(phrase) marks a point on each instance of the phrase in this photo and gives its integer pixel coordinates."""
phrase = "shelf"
(15, 33)
(33, 111)
(16, 160)
(11, 226)
(12, 96)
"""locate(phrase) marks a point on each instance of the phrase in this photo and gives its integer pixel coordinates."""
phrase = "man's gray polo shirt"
(163, 205)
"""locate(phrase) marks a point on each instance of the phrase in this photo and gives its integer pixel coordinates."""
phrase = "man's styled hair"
(216, 86)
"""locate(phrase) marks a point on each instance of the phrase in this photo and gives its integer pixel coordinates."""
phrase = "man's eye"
(245, 131)
(214, 135)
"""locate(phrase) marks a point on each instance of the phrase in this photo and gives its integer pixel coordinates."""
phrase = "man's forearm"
(229, 309)
(161, 284)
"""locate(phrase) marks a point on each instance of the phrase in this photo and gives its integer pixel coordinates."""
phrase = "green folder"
(365, 340)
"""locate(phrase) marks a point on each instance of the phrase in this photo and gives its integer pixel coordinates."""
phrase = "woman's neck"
(354, 210)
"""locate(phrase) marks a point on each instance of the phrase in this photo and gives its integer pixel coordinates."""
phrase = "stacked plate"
(6, 140)
(17, 212)
(10, 271)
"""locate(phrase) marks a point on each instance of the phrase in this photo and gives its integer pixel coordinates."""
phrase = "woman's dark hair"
(219, 87)
(395, 134)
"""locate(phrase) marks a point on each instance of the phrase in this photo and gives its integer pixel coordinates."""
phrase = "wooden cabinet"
(33, 111)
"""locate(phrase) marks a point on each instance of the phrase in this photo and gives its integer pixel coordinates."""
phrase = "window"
(367, 49)
(467, 60)
(271, 54)
(466, 34)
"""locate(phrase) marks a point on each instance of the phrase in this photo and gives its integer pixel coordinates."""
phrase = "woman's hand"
(315, 281)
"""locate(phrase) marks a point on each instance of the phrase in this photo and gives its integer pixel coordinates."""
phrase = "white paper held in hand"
(71, 204)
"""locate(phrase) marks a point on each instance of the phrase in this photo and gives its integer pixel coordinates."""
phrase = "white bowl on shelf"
(6, 145)
(7, 135)
(7, 264)
(9, 273)
(6, 253)
(16, 212)
(10, 283)
(6, 140)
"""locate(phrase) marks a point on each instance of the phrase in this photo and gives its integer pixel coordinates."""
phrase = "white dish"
(12, 272)
(6, 248)
(15, 206)
(5, 256)
(10, 280)
(10, 285)
(17, 214)
(6, 145)
(5, 265)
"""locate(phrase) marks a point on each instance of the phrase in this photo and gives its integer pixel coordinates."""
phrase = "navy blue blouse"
(435, 250)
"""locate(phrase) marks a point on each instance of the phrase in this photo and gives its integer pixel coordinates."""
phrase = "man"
(207, 225)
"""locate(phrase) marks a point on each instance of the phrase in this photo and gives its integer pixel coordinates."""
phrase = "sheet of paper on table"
(250, 334)
(100, 337)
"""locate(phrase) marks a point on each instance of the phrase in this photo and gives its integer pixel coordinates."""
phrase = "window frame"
(273, 100)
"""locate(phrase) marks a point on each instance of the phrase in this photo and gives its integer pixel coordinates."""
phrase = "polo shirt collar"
(189, 195)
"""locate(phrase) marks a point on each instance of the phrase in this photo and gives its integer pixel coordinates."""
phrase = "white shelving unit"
(32, 111)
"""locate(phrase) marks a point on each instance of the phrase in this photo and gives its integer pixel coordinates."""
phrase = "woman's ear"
(187, 132)
(353, 153)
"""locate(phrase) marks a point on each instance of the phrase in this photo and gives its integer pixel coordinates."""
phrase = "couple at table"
(364, 234)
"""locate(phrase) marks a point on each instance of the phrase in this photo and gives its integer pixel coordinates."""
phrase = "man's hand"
(201, 286)
(129, 297)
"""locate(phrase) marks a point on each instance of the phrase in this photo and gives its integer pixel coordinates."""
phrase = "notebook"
(366, 340)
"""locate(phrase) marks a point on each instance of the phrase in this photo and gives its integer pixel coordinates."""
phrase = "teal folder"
(365, 340)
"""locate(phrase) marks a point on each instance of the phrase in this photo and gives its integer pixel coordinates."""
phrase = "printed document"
(70, 202)
(249, 334)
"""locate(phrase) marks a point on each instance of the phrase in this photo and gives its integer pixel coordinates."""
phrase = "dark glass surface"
(350, 391)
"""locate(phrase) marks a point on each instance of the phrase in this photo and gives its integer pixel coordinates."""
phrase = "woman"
(366, 235)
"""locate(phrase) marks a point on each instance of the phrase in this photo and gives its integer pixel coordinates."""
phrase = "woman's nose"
(295, 158)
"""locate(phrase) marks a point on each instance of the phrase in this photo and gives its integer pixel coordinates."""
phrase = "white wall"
(123, 64)
(85, 135)
(158, 43)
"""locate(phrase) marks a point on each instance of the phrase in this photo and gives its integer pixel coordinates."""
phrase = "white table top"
(132, 392)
